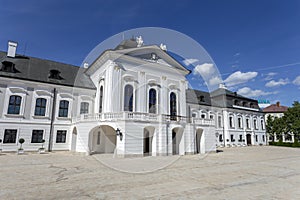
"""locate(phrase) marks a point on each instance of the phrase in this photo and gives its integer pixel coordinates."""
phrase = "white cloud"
(190, 61)
(273, 83)
(239, 77)
(248, 92)
(215, 81)
(270, 76)
(297, 81)
(204, 70)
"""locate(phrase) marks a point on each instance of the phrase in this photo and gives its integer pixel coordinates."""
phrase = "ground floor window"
(220, 138)
(256, 138)
(241, 138)
(10, 136)
(232, 138)
(263, 138)
(37, 136)
(61, 136)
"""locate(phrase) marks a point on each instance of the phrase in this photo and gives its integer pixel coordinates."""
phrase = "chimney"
(12, 48)
(222, 86)
(277, 103)
(85, 65)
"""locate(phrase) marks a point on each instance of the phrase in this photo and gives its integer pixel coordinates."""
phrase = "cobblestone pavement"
(236, 173)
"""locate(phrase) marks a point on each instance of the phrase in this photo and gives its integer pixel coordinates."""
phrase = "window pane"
(63, 108)
(37, 136)
(14, 105)
(10, 136)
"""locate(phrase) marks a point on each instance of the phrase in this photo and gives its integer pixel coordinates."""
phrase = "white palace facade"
(131, 101)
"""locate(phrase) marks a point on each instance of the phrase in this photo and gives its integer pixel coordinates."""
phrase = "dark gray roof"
(220, 98)
(198, 97)
(36, 69)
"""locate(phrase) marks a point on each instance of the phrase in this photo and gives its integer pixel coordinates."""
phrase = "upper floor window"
(240, 122)
(14, 104)
(101, 99)
(55, 74)
(63, 108)
(8, 67)
(231, 122)
(173, 104)
(248, 123)
(128, 98)
(262, 124)
(236, 102)
(152, 100)
(219, 121)
(255, 124)
(40, 107)
(10, 136)
(84, 108)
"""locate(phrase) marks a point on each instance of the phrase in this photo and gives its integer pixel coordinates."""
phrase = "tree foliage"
(289, 123)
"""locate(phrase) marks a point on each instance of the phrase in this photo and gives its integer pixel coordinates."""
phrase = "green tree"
(292, 119)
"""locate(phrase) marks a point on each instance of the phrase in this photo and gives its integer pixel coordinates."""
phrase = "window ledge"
(14, 116)
(40, 117)
(63, 118)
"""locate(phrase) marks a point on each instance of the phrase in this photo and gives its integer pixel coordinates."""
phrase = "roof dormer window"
(8, 66)
(55, 74)
(201, 98)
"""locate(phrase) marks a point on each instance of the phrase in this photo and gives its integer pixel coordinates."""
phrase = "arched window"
(63, 108)
(152, 100)
(236, 102)
(84, 107)
(101, 99)
(40, 107)
(173, 109)
(128, 98)
(14, 105)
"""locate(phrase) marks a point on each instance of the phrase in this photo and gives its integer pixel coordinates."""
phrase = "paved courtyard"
(236, 173)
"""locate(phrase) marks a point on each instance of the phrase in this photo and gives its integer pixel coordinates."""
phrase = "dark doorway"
(249, 139)
(174, 143)
(146, 143)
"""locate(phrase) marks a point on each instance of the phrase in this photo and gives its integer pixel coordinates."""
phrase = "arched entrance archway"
(74, 139)
(103, 139)
(199, 135)
(177, 147)
(248, 137)
(148, 145)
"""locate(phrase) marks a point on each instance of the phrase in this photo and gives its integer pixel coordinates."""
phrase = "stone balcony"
(142, 117)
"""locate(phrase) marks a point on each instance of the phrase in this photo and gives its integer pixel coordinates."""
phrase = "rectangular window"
(37, 136)
(84, 108)
(262, 124)
(256, 138)
(232, 138)
(255, 124)
(231, 122)
(241, 138)
(63, 108)
(10, 136)
(263, 138)
(220, 138)
(61, 136)
(219, 121)
(14, 105)
(248, 123)
(40, 107)
(240, 122)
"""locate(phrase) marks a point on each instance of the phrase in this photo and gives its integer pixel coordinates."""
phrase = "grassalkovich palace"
(133, 100)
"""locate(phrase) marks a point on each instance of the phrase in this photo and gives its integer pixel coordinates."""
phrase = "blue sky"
(254, 44)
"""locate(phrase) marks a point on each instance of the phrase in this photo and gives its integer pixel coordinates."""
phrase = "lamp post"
(119, 133)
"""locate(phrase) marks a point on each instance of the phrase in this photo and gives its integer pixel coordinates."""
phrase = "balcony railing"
(146, 117)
